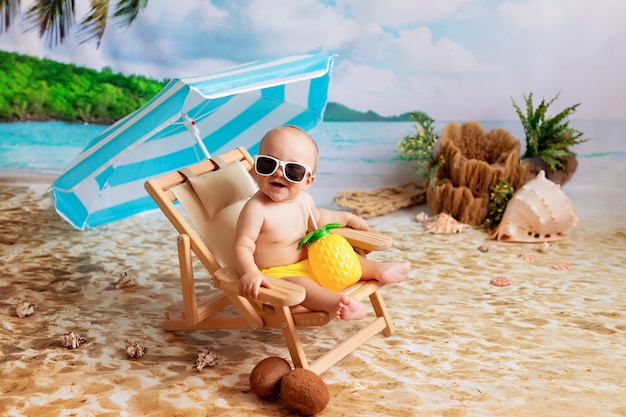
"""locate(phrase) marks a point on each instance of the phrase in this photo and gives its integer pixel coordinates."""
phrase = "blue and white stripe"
(231, 108)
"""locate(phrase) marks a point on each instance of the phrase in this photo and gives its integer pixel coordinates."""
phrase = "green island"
(43, 89)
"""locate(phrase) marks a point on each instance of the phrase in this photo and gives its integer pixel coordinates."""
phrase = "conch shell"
(538, 212)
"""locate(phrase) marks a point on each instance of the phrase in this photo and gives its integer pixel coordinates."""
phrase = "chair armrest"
(368, 241)
(282, 293)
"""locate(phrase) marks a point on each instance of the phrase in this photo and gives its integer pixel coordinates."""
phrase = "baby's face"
(292, 145)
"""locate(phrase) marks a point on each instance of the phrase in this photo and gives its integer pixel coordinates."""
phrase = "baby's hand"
(358, 223)
(249, 284)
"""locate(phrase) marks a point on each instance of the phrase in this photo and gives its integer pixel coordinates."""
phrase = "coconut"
(266, 376)
(304, 392)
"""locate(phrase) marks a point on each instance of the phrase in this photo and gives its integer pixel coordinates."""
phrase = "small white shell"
(205, 358)
(24, 310)
(538, 212)
(135, 350)
(125, 281)
(72, 340)
(442, 223)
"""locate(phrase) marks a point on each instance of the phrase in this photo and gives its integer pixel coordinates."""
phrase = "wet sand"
(551, 344)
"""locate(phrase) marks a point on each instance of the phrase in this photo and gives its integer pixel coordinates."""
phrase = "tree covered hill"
(339, 113)
(42, 89)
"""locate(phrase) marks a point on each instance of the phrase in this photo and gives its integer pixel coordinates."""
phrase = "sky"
(453, 59)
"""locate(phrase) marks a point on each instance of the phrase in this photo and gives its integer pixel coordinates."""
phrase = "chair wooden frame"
(280, 309)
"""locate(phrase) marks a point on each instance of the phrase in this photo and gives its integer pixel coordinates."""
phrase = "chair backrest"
(211, 194)
(213, 202)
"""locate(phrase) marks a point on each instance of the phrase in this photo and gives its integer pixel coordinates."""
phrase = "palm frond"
(92, 27)
(94, 24)
(9, 9)
(127, 10)
(52, 18)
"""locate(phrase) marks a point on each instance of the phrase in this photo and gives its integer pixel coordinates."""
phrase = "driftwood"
(369, 204)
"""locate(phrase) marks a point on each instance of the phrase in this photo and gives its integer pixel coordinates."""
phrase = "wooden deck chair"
(211, 194)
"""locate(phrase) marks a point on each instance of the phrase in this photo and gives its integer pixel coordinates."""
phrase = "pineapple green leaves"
(548, 137)
(318, 234)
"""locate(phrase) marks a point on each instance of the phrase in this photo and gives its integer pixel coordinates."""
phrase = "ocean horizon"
(33, 147)
(353, 155)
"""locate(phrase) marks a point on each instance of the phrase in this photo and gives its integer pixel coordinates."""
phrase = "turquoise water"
(42, 147)
(368, 149)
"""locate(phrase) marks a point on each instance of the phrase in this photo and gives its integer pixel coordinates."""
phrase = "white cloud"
(296, 27)
(362, 87)
(455, 59)
(401, 13)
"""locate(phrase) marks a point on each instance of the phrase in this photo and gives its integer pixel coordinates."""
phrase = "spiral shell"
(538, 212)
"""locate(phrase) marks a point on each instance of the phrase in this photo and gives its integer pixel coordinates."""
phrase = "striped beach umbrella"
(189, 120)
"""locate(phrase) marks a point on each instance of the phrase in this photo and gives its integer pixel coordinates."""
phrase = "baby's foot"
(388, 272)
(350, 309)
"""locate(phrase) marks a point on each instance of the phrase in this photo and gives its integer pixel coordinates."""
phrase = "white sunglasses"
(294, 171)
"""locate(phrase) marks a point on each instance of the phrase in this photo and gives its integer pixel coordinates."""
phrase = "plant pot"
(560, 176)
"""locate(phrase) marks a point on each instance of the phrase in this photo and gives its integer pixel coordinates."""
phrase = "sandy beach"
(551, 344)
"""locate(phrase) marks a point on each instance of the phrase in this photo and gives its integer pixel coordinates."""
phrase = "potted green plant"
(548, 139)
(419, 147)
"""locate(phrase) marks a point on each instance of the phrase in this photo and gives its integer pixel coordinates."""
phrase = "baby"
(277, 217)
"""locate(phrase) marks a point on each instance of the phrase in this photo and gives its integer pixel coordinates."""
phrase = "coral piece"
(474, 162)
(24, 310)
(538, 212)
(304, 392)
(135, 350)
(266, 376)
(72, 340)
(125, 281)
(500, 281)
(562, 265)
(204, 358)
(442, 223)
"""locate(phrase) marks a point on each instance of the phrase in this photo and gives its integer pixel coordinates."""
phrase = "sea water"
(352, 155)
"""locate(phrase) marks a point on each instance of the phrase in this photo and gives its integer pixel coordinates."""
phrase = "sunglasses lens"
(265, 165)
(295, 172)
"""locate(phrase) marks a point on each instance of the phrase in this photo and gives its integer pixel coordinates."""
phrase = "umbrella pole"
(191, 126)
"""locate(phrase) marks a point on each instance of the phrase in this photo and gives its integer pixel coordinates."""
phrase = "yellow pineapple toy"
(332, 258)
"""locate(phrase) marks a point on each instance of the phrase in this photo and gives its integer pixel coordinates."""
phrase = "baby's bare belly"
(275, 255)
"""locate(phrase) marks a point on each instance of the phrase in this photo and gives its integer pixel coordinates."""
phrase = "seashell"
(135, 350)
(422, 217)
(562, 265)
(488, 248)
(528, 257)
(24, 310)
(539, 211)
(205, 358)
(443, 223)
(500, 281)
(72, 340)
(545, 247)
(125, 281)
